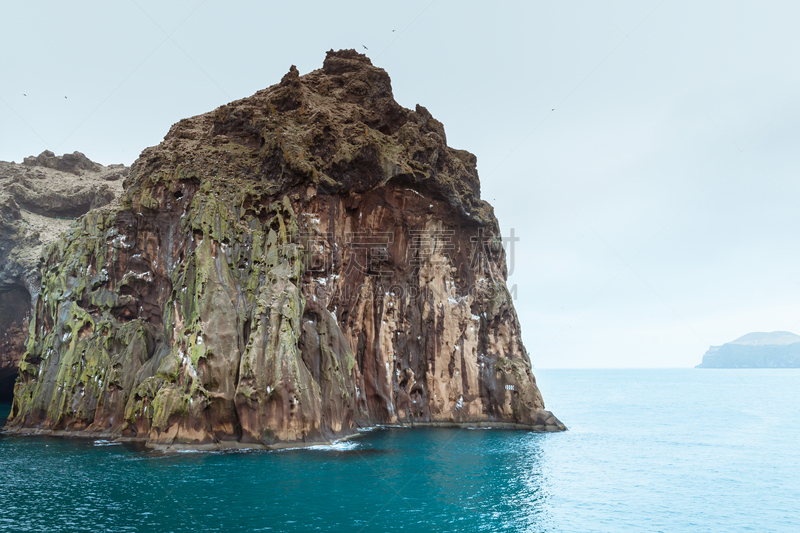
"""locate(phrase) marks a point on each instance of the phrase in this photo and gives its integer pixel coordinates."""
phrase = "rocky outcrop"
(283, 270)
(779, 349)
(38, 200)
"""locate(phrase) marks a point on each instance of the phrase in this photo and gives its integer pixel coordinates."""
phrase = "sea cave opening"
(15, 305)
(7, 386)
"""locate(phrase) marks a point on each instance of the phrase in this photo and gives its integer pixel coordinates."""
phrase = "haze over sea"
(648, 450)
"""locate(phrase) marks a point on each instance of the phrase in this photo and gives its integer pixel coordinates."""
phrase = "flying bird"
(392, 30)
(365, 48)
(65, 98)
(23, 94)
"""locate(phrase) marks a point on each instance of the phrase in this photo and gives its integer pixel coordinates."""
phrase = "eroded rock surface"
(38, 200)
(283, 270)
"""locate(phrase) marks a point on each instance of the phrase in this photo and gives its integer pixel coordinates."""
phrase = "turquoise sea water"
(648, 450)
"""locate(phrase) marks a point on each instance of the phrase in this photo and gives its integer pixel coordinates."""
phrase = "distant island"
(779, 349)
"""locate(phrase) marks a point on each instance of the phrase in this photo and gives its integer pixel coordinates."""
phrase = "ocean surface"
(684, 450)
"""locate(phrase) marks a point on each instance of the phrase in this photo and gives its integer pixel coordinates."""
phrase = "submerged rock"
(779, 349)
(284, 269)
(38, 201)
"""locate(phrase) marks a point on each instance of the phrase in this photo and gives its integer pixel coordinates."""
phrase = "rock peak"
(293, 74)
(338, 128)
(72, 163)
(340, 61)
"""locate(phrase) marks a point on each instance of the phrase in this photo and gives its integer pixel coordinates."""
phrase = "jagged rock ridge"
(38, 199)
(283, 270)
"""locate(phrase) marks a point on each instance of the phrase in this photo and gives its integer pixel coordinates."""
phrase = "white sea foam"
(106, 443)
(335, 447)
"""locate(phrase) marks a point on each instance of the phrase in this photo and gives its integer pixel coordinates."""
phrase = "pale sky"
(658, 204)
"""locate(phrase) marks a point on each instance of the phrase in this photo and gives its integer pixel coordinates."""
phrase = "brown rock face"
(38, 199)
(285, 269)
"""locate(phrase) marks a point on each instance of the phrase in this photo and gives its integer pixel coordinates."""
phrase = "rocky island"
(39, 198)
(283, 270)
(779, 349)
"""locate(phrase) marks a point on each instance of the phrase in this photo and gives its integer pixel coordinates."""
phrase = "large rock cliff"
(283, 270)
(38, 200)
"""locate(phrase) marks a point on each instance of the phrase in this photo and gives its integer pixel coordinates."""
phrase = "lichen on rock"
(38, 201)
(283, 270)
